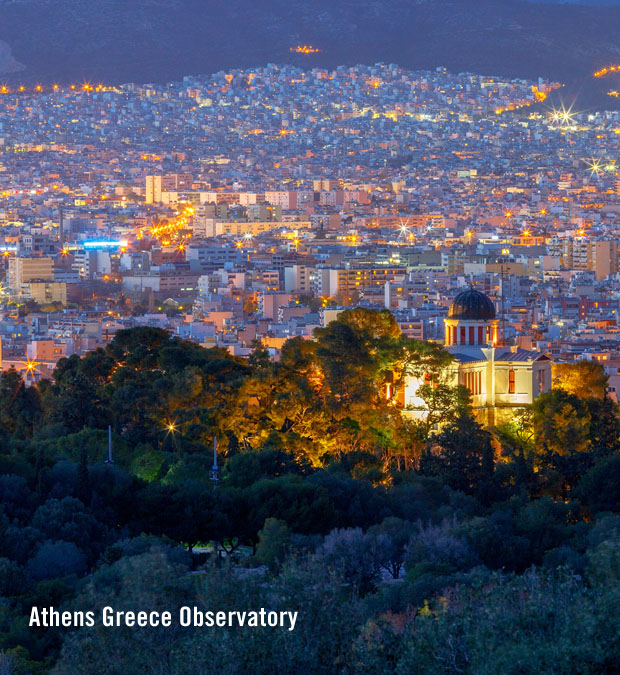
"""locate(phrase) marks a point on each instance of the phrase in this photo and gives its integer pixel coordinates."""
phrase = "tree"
(356, 353)
(12, 578)
(245, 469)
(142, 582)
(604, 433)
(600, 486)
(561, 423)
(274, 541)
(390, 541)
(55, 559)
(443, 404)
(20, 405)
(502, 625)
(77, 400)
(352, 553)
(69, 520)
(187, 513)
(462, 455)
(438, 545)
(302, 505)
(584, 379)
(82, 488)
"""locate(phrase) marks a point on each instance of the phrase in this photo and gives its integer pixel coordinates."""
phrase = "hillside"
(157, 40)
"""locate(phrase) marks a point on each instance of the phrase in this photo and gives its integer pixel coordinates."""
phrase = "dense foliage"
(433, 546)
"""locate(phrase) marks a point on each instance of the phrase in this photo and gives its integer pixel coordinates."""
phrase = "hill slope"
(159, 40)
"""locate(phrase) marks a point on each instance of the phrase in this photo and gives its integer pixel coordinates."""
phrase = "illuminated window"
(511, 381)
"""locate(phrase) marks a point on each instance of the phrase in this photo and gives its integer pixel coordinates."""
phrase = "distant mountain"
(160, 40)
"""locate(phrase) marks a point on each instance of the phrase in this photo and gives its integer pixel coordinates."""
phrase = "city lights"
(563, 116)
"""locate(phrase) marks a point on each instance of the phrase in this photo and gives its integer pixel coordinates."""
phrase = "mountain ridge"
(158, 41)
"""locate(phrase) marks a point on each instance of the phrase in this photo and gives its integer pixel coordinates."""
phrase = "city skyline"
(309, 337)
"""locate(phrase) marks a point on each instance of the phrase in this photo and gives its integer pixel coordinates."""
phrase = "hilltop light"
(604, 71)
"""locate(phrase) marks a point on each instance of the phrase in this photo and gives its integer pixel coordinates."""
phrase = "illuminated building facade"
(500, 379)
(25, 269)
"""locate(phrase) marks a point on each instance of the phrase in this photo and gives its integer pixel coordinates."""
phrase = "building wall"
(44, 293)
(23, 270)
(489, 384)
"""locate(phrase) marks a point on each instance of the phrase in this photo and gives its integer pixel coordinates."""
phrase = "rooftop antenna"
(215, 471)
(109, 460)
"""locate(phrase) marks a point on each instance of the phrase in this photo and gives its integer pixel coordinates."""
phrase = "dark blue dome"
(472, 305)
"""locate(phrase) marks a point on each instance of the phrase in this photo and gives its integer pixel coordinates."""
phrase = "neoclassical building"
(500, 379)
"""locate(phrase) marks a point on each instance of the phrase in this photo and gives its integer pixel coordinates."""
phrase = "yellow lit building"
(215, 228)
(22, 270)
(45, 292)
(500, 379)
(344, 281)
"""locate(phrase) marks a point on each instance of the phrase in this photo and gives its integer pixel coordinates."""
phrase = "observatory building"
(500, 379)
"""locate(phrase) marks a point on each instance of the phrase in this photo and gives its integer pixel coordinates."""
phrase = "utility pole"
(109, 460)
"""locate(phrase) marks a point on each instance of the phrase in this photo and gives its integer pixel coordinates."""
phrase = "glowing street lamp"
(595, 166)
(565, 116)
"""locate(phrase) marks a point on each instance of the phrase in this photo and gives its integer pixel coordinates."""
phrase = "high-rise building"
(171, 182)
(23, 270)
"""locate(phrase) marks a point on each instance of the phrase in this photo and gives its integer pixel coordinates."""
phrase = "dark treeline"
(430, 546)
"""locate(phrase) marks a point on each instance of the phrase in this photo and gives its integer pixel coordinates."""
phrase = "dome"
(472, 305)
